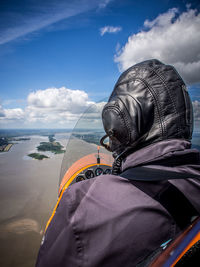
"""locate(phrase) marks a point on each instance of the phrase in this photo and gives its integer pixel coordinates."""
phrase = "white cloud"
(14, 114)
(91, 119)
(59, 99)
(162, 19)
(53, 107)
(171, 38)
(60, 107)
(109, 29)
(56, 105)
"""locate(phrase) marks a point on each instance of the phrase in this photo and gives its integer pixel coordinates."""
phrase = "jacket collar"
(175, 150)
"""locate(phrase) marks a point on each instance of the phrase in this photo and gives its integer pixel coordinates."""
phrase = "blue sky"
(58, 57)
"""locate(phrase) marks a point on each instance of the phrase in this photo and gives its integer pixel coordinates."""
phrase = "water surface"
(28, 192)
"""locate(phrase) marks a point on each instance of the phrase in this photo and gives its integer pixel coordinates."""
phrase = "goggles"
(105, 145)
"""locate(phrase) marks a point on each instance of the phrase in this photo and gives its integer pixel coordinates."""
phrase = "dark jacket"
(107, 221)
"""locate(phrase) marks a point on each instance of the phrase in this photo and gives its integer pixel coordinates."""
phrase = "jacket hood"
(149, 103)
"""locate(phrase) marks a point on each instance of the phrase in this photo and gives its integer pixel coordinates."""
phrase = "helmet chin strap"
(105, 145)
(116, 167)
(121, 152)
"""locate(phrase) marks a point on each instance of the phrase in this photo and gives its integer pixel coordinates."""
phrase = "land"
(52, 146)
(38, 156)
(14, 133)
(5, 144)
(10, 137)
(5, 148)
(21, 139)
(93, 138)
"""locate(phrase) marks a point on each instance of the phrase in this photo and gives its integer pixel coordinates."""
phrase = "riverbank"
(5, 148)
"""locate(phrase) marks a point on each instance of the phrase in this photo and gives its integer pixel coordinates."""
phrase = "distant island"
(38, 156)
(52, 146)
(21, 139)
(7, 140)
(9, 137)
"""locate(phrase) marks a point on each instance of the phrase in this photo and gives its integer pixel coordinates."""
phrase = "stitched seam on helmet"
(154, 95)
(152, 92)
(126, 123)
(162, 80)
(125, 117)
(138, 103)
(157, 104)
(171, 98)
(159, 110)
(116, 108)
(185, 98)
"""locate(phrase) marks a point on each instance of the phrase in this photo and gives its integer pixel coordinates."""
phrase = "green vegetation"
(21, 139)
(38, 156)
(89, 137)
(9, 136)
(52, 146)
(51, 138)
(4, 141)
(10, 133)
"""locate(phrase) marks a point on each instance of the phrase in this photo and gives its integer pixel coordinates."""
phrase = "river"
(28, 193)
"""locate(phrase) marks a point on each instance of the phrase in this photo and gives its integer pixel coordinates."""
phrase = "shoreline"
(5, 148)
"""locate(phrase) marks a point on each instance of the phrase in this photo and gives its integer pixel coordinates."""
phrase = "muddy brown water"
(28, 193)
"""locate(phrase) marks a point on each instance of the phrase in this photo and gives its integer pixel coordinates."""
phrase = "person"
(122, 218)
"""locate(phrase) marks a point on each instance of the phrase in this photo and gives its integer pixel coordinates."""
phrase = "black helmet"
(149, 103)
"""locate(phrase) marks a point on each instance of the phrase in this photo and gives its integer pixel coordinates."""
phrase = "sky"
(57, 58)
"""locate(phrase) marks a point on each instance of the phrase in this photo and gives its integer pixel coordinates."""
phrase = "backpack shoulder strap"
(168, 195)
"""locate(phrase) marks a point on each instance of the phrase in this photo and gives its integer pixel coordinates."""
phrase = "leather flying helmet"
(149, 103)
